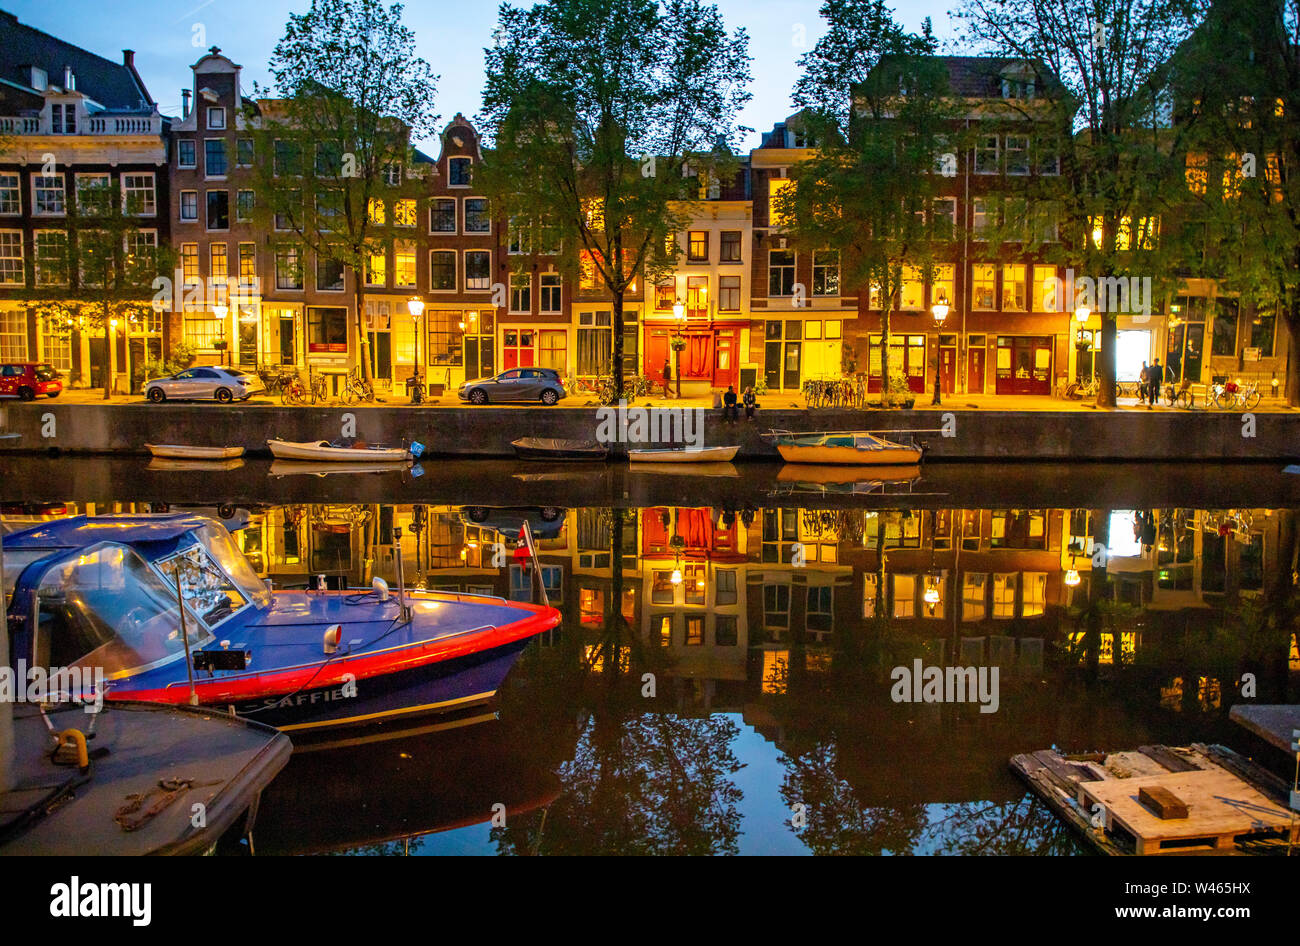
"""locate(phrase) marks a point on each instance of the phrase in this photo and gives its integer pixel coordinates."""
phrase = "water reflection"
(721, 680)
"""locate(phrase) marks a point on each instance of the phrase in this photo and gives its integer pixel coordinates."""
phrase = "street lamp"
(679, 317)
(220, 311)
(415, 305)
(940, 312)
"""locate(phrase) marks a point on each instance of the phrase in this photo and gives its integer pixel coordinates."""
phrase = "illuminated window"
(1013, 287)
(904, 596)
(220, 262)
(1045, 290)
(1004, 595)
(404, 213)
(695, 630)
(1196, 172)
(943, 289)
(974, 592)
(697, 246)
(375, 211)
(913, 291)
(661, 589)
(869, 596)
(664, 637)
(693, 584)
(777, 187)
(1034, 600)
(984, 286)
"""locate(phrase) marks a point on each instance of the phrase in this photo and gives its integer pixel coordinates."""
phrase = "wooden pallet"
(1234, 805)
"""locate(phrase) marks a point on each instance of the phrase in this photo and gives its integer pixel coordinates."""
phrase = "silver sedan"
(205, 383)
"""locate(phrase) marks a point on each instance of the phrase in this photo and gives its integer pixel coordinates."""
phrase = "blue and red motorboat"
(104, 592)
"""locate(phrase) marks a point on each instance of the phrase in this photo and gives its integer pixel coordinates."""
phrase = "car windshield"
(233, 372)
(105, 607)
(46, 373)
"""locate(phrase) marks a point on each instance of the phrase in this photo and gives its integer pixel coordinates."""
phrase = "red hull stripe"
(360, 667)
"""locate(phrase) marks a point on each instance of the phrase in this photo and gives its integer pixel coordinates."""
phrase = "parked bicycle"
(1229, 395)
(356, 389)
(295, 392)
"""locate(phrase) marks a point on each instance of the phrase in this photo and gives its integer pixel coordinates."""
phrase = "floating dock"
(1162, 800)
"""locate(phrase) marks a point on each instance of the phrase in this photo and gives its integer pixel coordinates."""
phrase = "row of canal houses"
(756, 307)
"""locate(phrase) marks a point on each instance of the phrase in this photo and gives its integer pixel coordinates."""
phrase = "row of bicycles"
(836, 392)
(1221, 394)
(295, 391)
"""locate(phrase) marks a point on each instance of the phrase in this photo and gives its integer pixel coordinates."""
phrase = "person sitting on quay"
(751, 402)
(729, 410)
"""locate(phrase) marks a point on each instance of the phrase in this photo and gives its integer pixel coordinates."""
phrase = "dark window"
(476, 216)
(731, 246)
(729, 294)
(724, 632)
(1262, 329)
(288, 159)
(442, 270)
(458, 172)
(244, 152)
(478, 269)
(214, 157)
(442, 216)
(244, 205)
(218, 210)
(185, 153)
(329, 273)
(1225, 327)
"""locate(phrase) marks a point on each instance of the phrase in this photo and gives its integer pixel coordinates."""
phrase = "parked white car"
(204, 383)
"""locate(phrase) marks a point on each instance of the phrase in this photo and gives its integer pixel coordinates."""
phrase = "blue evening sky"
(450, 34)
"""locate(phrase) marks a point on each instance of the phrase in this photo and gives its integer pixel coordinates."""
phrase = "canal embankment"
(1124, 435)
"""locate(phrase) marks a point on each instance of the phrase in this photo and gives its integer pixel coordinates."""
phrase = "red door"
(948, 369)
(656, 353)
(975, 370)
(725, 363)
(518, 350)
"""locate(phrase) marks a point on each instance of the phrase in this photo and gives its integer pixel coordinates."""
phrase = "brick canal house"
(74, 122)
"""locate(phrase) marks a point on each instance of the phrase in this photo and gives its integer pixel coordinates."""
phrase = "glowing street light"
(940, 312)
(415, 305)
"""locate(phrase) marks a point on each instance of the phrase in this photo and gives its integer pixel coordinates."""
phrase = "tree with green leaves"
(1112, 62)
(876, 106)
(333, 147)
(1237, 83)
(98, 275)
(597, 110)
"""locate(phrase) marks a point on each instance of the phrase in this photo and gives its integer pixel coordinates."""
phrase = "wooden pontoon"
(1125, 803)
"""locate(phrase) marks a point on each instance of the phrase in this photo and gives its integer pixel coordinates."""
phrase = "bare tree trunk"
(108, 354)
(363, 340)
(1105, 368)
(617, 366)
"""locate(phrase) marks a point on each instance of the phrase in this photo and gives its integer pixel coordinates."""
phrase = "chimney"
(185, 103)
(69, 80)
(128, 58)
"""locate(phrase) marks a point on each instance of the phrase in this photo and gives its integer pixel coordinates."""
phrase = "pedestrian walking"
(1157, 381)
(668, 376)
(729, 410)
(1144, 379)
(751, 402)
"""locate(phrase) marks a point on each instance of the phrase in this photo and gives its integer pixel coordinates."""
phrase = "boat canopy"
(105, 606)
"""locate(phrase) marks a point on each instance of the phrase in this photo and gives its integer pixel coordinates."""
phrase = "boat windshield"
(105, 607)
(208, 591)
(221, 546)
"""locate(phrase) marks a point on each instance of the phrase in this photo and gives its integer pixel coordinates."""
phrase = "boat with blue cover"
(103, 592)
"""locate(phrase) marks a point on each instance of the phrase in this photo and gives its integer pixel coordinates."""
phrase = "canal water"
(726, 678)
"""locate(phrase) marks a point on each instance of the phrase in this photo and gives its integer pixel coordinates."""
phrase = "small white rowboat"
(684, 455)
(321, 450)
(177, 452)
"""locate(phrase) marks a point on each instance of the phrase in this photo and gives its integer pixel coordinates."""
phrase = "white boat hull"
(179, 452)
(706, 455)
(320, 450)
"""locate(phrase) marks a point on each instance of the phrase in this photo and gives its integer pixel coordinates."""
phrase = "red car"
(28, 380)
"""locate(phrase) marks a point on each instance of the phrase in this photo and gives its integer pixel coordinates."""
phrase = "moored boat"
(854, 447)
(181, 452)
(339, 453)
(549, 448)
(104, 592)
(684, 455)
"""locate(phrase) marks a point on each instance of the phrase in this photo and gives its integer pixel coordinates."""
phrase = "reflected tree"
(641, 784)
(837, 822)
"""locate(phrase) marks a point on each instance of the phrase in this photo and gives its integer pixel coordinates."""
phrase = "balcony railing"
(94, 125)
